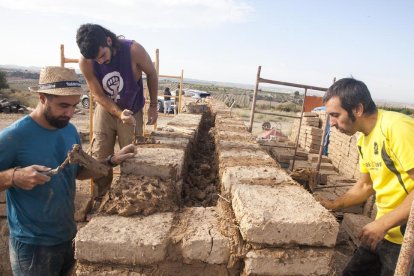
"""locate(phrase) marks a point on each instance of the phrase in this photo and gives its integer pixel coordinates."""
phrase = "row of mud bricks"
(263, 224)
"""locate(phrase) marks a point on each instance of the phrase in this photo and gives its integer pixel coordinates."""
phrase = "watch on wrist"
(109, 161)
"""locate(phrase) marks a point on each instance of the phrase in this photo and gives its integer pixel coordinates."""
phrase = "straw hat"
(58, 81)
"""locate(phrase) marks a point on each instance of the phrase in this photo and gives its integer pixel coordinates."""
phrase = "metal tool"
(57, 169)
(52, 171)
(78, 156)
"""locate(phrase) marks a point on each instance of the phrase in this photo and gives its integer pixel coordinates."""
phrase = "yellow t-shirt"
(387, 153)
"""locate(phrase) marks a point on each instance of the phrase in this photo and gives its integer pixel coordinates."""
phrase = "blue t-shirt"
(45, 214)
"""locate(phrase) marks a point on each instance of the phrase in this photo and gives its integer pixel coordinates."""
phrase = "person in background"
(40, 206)
(113, 67)
(167, 101)
(386, 148)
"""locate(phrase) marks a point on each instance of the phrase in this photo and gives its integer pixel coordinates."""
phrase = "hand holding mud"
(125, 153)
(29, 177)
(127, 117)
(152, 114)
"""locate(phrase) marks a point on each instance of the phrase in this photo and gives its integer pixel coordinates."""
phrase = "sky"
(308, 42)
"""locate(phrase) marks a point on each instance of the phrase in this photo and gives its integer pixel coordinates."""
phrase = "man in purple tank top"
(113, 70)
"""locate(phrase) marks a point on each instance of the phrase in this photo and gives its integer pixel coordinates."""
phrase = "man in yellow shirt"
(386, 149)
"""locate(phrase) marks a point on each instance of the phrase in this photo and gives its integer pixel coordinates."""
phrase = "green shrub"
(404, 110)
(3, 80)
(288, 107)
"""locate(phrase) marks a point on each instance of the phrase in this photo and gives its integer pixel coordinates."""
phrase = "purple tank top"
(117, 79)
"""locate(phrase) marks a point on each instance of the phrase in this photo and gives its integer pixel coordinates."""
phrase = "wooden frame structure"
(179, 77)
(259, 80)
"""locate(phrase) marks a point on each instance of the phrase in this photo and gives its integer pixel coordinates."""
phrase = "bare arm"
(25, 178)
(144, 63)
(119, 157)
(375, 231)
(358, 194)
(6, 179)
(86, 66)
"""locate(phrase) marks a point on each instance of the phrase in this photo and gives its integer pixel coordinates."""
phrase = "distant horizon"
(271, 88)
(309, 42)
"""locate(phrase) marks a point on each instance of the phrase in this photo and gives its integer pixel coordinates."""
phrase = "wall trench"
(200, 185)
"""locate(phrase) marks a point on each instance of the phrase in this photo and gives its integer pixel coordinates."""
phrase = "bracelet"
(12, 178)
(109, 161)
(154, 104)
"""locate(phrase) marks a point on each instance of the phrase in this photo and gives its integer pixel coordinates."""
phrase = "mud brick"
(202, 240)
(353, 224)
(279, 217)
(159, 162)
(121, 240)
(283, 261)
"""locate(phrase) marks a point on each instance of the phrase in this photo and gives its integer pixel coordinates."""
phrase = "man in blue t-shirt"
(40, 206)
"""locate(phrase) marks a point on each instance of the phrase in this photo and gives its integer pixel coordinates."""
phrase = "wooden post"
(91, 134)
(318, 164)
(63, 59)
(157, 67)
(62, 55)
(180, 92)
(254, 99)
(300, 126)
(157, 61)
(405, 259)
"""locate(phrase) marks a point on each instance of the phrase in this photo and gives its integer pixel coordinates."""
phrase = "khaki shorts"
(106, 128)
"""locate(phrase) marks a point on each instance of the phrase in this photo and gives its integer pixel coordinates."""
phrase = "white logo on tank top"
(113, 84)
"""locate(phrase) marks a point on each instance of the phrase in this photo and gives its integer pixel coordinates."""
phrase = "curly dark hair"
(90, 37)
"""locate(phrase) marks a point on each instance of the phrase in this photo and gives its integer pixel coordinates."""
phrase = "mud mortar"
(139, 195)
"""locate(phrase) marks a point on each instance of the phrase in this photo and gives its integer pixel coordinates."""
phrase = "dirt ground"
(8, 119)
(80, 119)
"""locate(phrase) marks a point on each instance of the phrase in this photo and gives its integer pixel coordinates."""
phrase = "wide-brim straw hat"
(58, 81)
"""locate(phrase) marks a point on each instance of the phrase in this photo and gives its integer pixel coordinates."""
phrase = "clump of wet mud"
(139, 195)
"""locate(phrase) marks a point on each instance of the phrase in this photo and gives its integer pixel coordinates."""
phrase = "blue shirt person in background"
(327, 131)
(40, 208)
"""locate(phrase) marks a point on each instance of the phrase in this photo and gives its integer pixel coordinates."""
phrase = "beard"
(57, 122)
(346, 131)
(343, 131)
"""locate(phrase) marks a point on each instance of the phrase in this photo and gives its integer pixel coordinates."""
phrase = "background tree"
(3, 80)
(296, 95)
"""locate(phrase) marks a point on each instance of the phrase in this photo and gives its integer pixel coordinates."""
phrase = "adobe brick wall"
(342, 148)
(270, 231)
